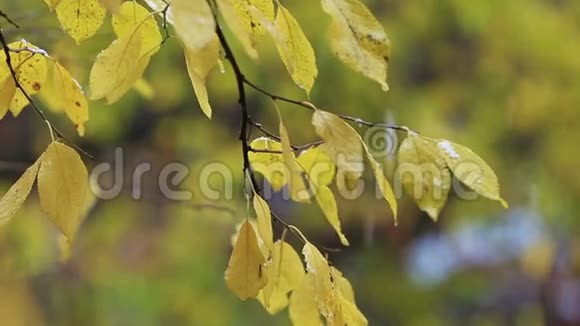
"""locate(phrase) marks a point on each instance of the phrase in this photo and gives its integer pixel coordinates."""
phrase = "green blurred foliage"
(502, 77)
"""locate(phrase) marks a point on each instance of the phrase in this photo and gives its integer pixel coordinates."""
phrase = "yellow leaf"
(80, 18)
(327, 202)
(294, 49)
(298, 190)
(31, 70)
(117, 68)
(193, 21)
(200, 62)
(235, 20)
(285, 273)
(346, 311)
(144, 89)
(317, 165)
(341, 143)
(382, 182)
(131, 17)
(270, 165)
(358, 39)
(7, 91)
(317, 266)
(245, 275)
(63, 93)
(52, 3)
(424, 173)
(303, 308)
(62, 187)
(17, 194)
(470, 169)
(264, 219)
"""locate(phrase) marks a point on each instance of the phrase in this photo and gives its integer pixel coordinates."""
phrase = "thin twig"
(8, 19)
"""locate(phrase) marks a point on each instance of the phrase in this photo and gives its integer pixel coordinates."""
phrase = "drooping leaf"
(245, 275)
(318, 165)
(382, 182)
(131, 17)
(303, 308)
(327, 202)
(199, 64)
(346, 311)
(62, 92)
(298, 189)
(358, 39)
(341, 143)
(63, 187)
(285, 273)
(264, 220)
(230, 12)
(270, 165)
(30, 66)
(294, 49)
(193, 21)
(470, 169)
(80, 18)
(117, 68)
(424, 173)
(317, 266)
(17, 194)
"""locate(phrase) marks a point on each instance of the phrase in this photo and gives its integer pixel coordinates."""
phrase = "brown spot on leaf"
(36, 86)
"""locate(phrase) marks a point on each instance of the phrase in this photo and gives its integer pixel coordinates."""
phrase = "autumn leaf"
(80, 18)
(424, 173)
(62, 92)
(317, 266)
(470, 169)
(193, 22)
(7, 91)
(270, 165)
(303, 309)
(294, 49)
(63, 187)
(200, 62)
(245, 275)
(341, 143)
(30, 66)
(264, 220)
(117, 68)
(131, 17)
(17, 194)
(285, 273)
(346, 311)
(358, 39)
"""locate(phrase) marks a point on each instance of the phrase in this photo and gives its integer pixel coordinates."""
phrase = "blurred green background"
(501, 77)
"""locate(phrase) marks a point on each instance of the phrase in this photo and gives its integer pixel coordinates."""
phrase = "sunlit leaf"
(117, 68)
(30, 65)
(264, 220)
(199, 64)
(346, 311)
(17, 194)
(7, 91)
(424, 173)
(327, 202)
(131, 17)
(245, 275)
(317, 266)
(318, 165)
(62, 92)
(384, 185)
(62, 187)
(341, 143)
(285, 273)
(470, 169)
(270, 165)
(80, 18)
(358, 39)
(294, 49)
(303, 309)
(193, 21)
